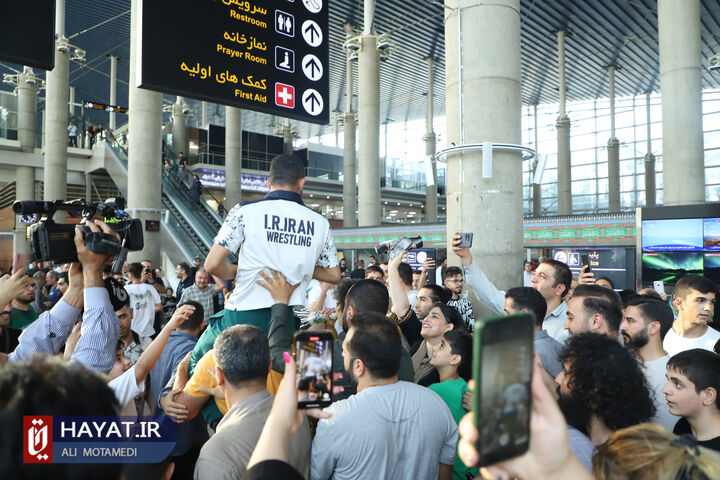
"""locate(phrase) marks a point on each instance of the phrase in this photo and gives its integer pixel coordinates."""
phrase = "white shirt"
(674, 343)
(277, 232)
(314, 294)
(143, 298)
(126, 388)
(655, 374)
(527, 276)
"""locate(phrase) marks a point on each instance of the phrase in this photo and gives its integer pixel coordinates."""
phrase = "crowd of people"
(621, 388)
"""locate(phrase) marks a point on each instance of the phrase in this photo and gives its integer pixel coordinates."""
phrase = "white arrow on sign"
(312, 67)
(312, 33)
(313, 5)
(312, 102)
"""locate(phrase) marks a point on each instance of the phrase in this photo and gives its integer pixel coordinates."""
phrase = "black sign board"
(27, 36)
(264, 55)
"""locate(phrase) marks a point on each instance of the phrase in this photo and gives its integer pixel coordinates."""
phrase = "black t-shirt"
(410, 327)
(358, 274)
(9, 339)
(271, 470)
(682, 427)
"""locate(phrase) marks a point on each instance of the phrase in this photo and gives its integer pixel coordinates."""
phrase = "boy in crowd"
(692, 393)
(453, 361)
(694, 300)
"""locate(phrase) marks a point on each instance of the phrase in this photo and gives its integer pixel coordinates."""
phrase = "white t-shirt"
(277, 232)
(655, 374)
(314, 294)
(143, 298)
(126, 389)
(674, 343)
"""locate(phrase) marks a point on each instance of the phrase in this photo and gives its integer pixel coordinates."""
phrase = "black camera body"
(50, 241)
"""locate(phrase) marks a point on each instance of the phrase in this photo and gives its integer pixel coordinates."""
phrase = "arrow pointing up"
(312, 98)
(312, 64)
(312, 31)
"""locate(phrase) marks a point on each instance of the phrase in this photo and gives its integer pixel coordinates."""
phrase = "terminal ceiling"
(604, 32)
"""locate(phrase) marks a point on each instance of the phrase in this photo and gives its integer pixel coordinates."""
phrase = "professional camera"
(55, 242)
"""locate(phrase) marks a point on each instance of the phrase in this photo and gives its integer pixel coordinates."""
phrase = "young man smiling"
(695, 302)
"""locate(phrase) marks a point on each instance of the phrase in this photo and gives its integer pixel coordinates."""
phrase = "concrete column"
(681, 83)
(144, 150)
(536, 187)
(430, 139)
(71, 101)
(369, 125)
(482, 60)
(113, 90)
(563, 136)
(56, 118)
(25, 176)
(349, 160)
(24, 190)
(204, 115)
(650, 189)
(233, 156)
(287, 138)
(179, 130)
(613, 150)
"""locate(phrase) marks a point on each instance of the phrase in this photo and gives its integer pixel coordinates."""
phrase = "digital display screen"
(712, 267)
(27, 36)
(711, 233)
(270, 56)
(669, 267)
(604, 262)
(314, 370)
(684, 234)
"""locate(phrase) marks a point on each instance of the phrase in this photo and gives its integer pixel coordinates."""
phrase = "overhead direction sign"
(265, 55)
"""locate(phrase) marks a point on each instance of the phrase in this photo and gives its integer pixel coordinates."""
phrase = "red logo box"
(284, 95)
(37, 439)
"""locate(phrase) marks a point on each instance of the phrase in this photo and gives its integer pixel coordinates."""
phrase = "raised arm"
(476, 279)
(279, 334)
(228, 240)
(400, 302)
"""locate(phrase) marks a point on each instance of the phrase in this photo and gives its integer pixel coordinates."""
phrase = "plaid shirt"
(203, 297)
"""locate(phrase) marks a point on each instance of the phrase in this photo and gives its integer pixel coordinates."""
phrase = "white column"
(613, 151)
(349, 152)
(430, 139)
(71, 101)
(482, 61)
(144, 169)
(563, 136)
(56, 119)
(369, 122)
(681, 84)
(536, 187)
(25, 176)
(650, 197)
(233, 156)
(113, 90)
(179, 129)
(287, 137)
(204, 114)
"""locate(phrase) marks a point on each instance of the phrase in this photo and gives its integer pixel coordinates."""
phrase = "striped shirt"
(203, 297)
(100, 329)
(48, 333)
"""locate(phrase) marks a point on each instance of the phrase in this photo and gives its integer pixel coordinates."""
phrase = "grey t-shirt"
(549, 350)
(398, 431)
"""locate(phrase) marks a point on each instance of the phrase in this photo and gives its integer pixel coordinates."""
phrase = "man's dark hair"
(373, 257)
(451, 315)
(48, 386)
(376, 342)
(53, 274)
(368, 296)
(693, 282)
(451, 272)
(148, 261)
(701, 367)
(135, 269)
(561, 274)
(242, 354)
(461, 343)
(608, 378)
(374, 268)
(612, 285)
(184, 267)
(286, 170)
(627, 294)
(529, 299)
(654, 310)
(63, 275)
(405, 271)
(437, 293)
(195, 319)
(606, 302)
(341, 290)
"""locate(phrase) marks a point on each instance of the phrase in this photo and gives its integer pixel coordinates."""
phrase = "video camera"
(55, 242)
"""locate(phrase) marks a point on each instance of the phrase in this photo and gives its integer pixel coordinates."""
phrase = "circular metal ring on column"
(527, 152)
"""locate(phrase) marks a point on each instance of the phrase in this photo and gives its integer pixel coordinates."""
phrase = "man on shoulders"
(646, 321)
(551, 279)
(694, 300)
(144, 301)
(389, 429)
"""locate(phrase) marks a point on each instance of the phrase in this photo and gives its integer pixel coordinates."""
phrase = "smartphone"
(502, 369)
(586, 262)
(659, 286)
(466, 240)
(314, 360)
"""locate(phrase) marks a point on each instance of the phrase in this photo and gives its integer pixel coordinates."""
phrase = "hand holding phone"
(586, 262)
(466, 240)
(659, 286)
(314, 368)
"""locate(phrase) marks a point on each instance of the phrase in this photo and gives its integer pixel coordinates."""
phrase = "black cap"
(118, 294)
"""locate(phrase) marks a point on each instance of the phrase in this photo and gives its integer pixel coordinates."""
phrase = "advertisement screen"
(672, 235)
(669, 267)
(711, 233)
(611, 263)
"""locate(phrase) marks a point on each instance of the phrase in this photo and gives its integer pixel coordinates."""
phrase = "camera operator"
(100, 328)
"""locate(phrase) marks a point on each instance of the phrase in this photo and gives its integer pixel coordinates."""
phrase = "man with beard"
(602, 387)
(645, 322)
(594, 309)
(22, 313)
(454, 280)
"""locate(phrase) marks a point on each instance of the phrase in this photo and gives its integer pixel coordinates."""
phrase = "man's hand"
(182, 376)
(463, 253)
(428, 264)
(13, 285)
(278, 286)
(92, 262)
(180, 315)
(72, 340)
(147, 276)
(586, 277)
(172, 408)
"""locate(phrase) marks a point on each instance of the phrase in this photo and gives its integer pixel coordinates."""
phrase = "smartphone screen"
(466, 240)
(314, 356)
(586, 261)
(502, 367)
(659, 286)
